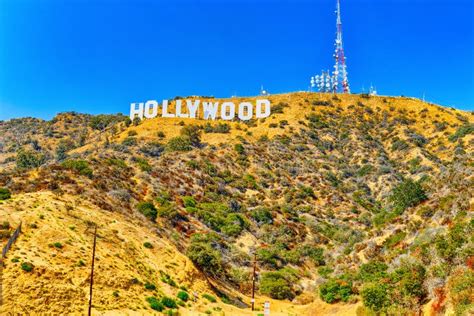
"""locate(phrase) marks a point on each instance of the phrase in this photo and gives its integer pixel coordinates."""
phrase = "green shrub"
(325, 271)
(129, 141)
(147, 245)
(27, 159)
(166, 278)
(102, 121)
(182, 295)
(219, 128)
(179, 144)
(372, 271)
(117, 162)
(233, 224)
(56, 245)
(394, 239)
(152, 149)
(277, 285)
(79, 166)
(155, 304)
(168, 302)
(335, 290)
(202, 253)
(399, 144)
(4, 194)
(150, 286)
(26, 266)
(407, 194)
(462, 131)
(409, 279)
(142, 164)
(209, 297)
(316, 254)
(278, 108)
(447, 246)
(239, 148)
(189, 201)
(375, 297)
(460, 287)
(193, 134)
(261, 216)
(148, 209)
(160, 134)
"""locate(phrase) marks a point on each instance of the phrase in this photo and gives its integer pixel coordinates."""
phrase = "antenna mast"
(341, 82)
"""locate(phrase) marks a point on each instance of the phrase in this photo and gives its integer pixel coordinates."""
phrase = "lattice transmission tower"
(337, 81)
(341, 82)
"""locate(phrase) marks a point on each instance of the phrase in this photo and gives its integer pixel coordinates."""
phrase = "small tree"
(335, 290)
(276, 286)
(193, 134)
(148, 209)
(203, 254)
(375, 297)
(4, 194)
(26, 159)
(407, 194)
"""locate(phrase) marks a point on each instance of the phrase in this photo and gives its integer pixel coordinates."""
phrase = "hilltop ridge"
(352, 203)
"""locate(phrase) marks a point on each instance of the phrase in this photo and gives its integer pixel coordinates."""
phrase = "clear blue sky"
(98, 56)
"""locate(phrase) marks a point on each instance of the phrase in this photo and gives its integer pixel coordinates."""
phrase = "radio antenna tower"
(341, 82)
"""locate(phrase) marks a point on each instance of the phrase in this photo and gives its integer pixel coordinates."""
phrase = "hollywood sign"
(210, 110)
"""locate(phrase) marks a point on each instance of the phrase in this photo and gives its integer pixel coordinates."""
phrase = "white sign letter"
(154, 109)
(165, 110)
(192, 107)
(245, 106)
(178, 110)
(134, 110)
(259, 113)
(227, 116)
(210, 110)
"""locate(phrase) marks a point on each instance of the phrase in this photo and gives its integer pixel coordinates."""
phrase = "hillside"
(353, 204)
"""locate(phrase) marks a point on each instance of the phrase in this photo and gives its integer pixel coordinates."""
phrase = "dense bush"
(79, 166)
(201, 251)
(261, 216)
(462, 131)
(375, 297)
(219, 128)
(129, 141)
(399, 144)
(316, 254)
(278, 108)
(193, 134)
(189, 201)
(277, 285)
(150, 286)
(447, 246)
(179, 144)
(407, 194)
(148, 209)
(27, 266)
(182, 295)
(142, 164)
(335, 290)
(152, 149)
(168, 302)
(460, 287)
(372, 271)
(4, 194)
(155, 304)
(209, 297)
(27, 159)
(102, 121)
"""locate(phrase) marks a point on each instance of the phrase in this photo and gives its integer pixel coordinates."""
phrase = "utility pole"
(253, 278)
(92, 271)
